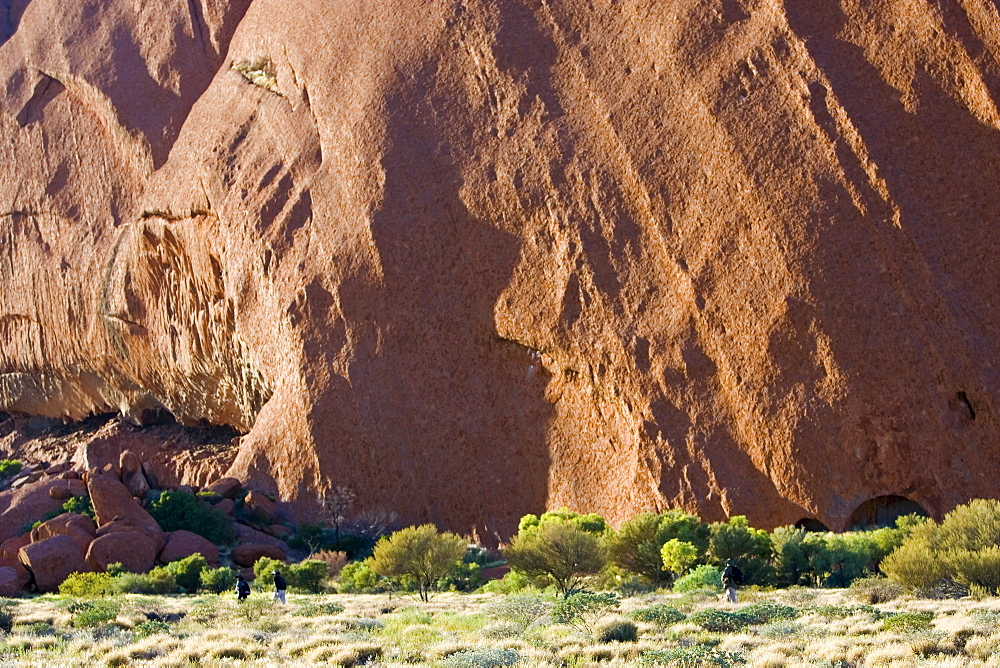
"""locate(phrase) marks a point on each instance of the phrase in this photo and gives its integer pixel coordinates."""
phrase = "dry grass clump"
(297, 649)
(982, 647)
(888, 654)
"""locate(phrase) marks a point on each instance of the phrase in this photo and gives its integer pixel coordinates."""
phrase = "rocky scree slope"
(479, 258)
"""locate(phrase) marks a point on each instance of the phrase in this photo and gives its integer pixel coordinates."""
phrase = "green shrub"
(9, 467)
(313, 609)
(764, 612)
(583, 609)
(616, 630)
(467, 576)
(511, 583)
(662, 615)
(187, 571)
(87, 585)
(157, 581)
(692, 657)
(718, 621)
(702, 577)
(358, 578)
(308, 575)
(482, 657)
(522, 610)
(264, 568)
(678, 556)
(88, 614)
(175, 510)
(908, 621)
(79, 504)
(150, 627)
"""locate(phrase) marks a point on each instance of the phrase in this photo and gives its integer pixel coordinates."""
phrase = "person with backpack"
(279, 587)
(242, 588)
(732, 579)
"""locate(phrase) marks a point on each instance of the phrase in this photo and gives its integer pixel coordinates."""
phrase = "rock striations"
(473, 259)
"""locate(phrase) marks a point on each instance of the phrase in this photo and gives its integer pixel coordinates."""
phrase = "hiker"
(279, 587)
(242, 588)
(732, 579)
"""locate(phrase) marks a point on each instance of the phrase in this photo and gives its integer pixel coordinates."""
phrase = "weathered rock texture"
(478, 258)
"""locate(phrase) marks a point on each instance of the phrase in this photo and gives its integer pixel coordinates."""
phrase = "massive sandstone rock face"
(478, 258)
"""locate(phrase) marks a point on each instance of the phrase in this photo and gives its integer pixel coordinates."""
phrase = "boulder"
(78, 527)
(51, 560)
(278, 531)
(125, 525)
(13, 579)
(18, 506)
(132, 474)
(113, 500)
(247, 534)
(247, 555)
(258, 503)
(135, 550)
(182, 544)
(9, 549)
(226, 505)
(66, 488)
(227, 487)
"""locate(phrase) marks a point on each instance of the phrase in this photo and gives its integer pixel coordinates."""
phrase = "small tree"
(420, 552)
(678, 556)
(637, 545)
(560, 550)
(337, 502)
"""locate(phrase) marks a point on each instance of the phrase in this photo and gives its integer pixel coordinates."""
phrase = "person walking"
(279, 587)
(242, 588)
(732, 579)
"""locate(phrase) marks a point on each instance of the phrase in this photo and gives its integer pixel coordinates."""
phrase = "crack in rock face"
(475, 260)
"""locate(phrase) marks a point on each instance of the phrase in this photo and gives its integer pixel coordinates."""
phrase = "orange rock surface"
(474, 258)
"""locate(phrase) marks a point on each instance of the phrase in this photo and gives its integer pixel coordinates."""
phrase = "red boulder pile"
(123, 530)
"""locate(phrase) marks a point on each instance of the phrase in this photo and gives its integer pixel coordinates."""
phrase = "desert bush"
(87, 585)
(187, 571)
(217, 580)
(637, 546)
(314, 609)
(175, 510)
(908, 621)
(501, 630)
(702, 577)
(678, 556)
(88, 614)
(157, 581)
(591, 523)
(616, 629)
(559, 550)
(764, 612)
(357, 654)
(260, 72)
(718, 621)
(150, 627)
(79, 504)
(9, 467)
(264, 568)
(583, 609)
(522, 610)
(692, 657)
(962, 549)
(482, 657)
(308, 576)
(420, 553)
(358, 578)
(511, 583)
(662, 615)
(875, 589)
(252, 608)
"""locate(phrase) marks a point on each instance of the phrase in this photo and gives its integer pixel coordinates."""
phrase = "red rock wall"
(476, 259)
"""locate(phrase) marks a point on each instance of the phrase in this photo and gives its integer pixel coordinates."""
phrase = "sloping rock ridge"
(475, 259)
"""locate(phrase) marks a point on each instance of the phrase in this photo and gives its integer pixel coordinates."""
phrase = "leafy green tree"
(419, 552)
(751, 548)
(591, 523)
(560, 550)
(678, 556)
(187, 571)
(637, 545)
(218, 580)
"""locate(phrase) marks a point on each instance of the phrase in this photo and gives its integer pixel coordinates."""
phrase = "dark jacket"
(732, 576)
(279, 582)
(242, 589)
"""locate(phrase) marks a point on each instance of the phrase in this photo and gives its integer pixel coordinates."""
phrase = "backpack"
(242, 589)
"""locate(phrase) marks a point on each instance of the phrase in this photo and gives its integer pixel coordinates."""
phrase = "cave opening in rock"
(883, 511)
(811, 524)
